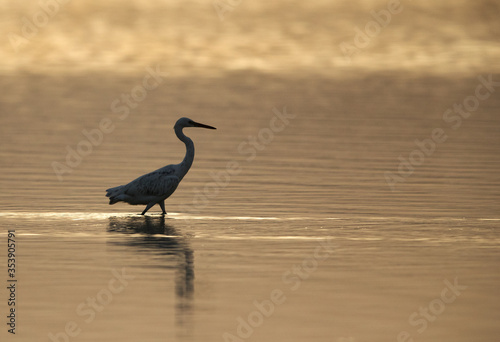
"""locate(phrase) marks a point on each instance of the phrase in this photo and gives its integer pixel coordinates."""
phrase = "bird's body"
(156, 186)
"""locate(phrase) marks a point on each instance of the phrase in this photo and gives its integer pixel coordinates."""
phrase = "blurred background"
(216, 37)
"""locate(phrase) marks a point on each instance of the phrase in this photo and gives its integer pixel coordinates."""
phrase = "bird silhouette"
(156, 186)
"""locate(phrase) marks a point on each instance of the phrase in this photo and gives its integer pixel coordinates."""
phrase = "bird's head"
(187, 122)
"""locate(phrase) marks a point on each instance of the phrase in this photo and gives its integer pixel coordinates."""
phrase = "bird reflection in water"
(165, 241)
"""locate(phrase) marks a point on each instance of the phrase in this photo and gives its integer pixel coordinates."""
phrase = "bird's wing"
(156, 183)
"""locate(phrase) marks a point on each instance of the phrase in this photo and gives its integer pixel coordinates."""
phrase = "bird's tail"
(114, 194)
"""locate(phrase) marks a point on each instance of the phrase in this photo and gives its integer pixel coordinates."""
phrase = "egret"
(156, 186)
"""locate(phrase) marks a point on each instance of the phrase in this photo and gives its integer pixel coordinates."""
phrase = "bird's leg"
(148, 207)
(162, 206)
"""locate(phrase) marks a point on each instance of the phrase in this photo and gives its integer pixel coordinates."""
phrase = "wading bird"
(156, 186)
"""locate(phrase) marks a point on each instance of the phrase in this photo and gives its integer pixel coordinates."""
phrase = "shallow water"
(194, 278)
(197, 273)
(298, 236)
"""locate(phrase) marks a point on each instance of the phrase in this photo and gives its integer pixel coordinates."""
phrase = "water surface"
(304, 219)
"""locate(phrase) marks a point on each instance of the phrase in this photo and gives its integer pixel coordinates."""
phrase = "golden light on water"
(325, 181)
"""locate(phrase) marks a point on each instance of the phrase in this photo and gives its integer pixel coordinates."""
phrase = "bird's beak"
(196, 124)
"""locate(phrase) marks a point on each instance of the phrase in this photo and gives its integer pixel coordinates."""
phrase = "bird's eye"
(191, 122)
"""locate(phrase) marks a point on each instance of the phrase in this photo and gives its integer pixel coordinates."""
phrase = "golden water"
(304, 217)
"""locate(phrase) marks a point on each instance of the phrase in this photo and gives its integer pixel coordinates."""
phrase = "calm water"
(190, 279)
(309, 214)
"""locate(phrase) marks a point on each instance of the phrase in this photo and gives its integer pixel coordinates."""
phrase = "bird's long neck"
(188, 158)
